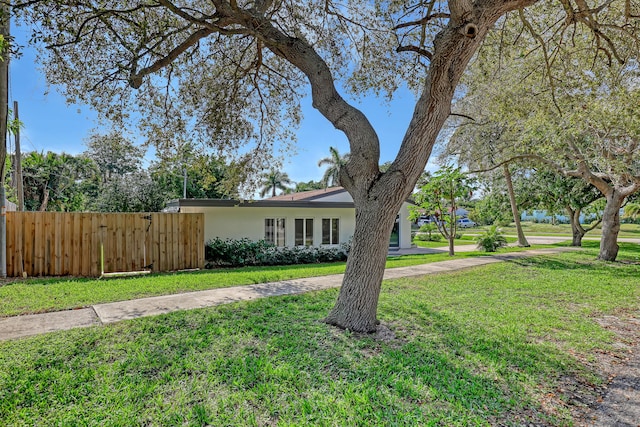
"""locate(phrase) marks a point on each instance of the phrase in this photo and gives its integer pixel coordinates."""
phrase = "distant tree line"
(109, 177)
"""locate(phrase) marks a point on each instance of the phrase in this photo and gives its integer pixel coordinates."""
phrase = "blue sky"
(51, 124)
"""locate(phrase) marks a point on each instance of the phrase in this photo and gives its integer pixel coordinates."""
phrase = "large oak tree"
(575, 111)
(228, 71)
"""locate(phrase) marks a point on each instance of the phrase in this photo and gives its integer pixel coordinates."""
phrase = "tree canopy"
(55, 182)
(113, 154)
(227, 73)
(577, 113)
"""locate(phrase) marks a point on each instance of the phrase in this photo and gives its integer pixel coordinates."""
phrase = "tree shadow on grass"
(606, 269)
(272, 361)
(525, 371)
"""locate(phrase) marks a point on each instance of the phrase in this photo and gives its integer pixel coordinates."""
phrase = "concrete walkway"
(99, 314)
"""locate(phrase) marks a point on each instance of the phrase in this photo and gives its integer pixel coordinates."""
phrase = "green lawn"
(539, 229)
(42, 295)
(464, 240)
(494, 345)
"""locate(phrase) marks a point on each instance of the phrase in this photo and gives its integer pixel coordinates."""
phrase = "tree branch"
(537, 157)
(547, 62)
(463, 116)
(422, 21)
(135, 79)
(418, 50)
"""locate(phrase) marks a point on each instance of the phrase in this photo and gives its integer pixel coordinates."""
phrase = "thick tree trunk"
(356, 307)
(378, 196)
(577, 232)
(522, 240)
(610, 226)
(577, 236)
(357, 303)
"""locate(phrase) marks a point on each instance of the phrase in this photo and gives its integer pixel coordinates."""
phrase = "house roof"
(309, 195)
(303, 199)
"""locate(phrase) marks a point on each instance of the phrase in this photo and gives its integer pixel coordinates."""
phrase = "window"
(304, 231)
(274, 231)
(330, 231)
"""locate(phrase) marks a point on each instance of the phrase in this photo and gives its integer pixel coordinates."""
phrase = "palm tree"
(335, 162)
(632, 210)
(274, 180)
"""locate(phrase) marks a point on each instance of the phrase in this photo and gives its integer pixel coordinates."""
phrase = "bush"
(503, 222)
(236, 252)
(428, 238)
(430, 233)
(243, 252)
(491, 240)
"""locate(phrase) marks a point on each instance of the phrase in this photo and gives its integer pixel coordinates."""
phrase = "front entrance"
(394, 240)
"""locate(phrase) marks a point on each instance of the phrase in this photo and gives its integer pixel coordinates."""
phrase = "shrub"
(429, 233)
(236, 252)
(427, 238)
(491, 240)
(505, 222)
(243, 252)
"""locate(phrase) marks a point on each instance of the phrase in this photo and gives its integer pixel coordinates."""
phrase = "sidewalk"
(100, 314)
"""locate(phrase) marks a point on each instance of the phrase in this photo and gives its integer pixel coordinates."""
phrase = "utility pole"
(4, 112)
(184, 185)
(19, 188)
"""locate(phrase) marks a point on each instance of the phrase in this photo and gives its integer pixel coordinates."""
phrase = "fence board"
(46, 236)
(174, 236)
(76, 236)
(65, 244)
(185, 230)
(200, 236)
(94, 248)
(57, 244)
(29, 237)
(165, 261)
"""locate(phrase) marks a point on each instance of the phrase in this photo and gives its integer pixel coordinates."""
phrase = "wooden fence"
(61, 243)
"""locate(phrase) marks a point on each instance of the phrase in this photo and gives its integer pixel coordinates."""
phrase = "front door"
(394, 241)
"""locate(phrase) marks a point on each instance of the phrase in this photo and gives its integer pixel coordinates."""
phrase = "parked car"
(424, 219)
(466, 223)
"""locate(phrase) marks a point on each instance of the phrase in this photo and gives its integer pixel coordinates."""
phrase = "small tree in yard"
(429, 228)
(491, 240)
(441, 196)
(232, 73)
(555, 192)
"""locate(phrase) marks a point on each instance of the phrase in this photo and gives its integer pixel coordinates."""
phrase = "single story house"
(310, 218)
(10, 206)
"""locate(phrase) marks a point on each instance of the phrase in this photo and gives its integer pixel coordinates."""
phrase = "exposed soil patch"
(617, 402)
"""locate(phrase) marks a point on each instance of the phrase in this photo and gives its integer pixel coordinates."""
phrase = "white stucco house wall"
(10, 206)
(310, 218)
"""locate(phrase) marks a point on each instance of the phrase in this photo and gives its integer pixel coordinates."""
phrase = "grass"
(487, 346)
(464, 240)
(53, 294)
(540, 229)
